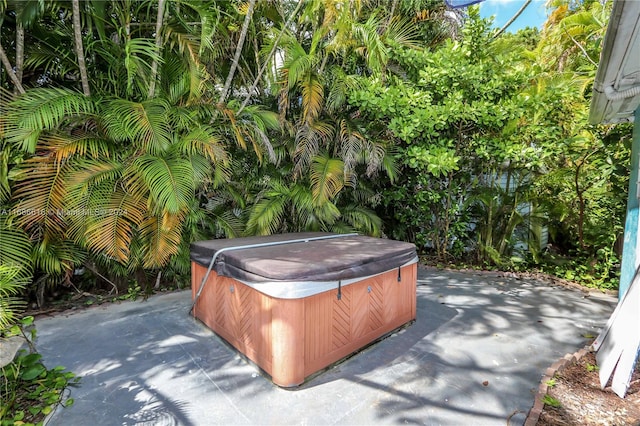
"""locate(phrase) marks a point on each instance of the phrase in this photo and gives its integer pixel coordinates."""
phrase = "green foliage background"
(410, 121)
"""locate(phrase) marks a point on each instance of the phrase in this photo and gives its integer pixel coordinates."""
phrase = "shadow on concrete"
(475, 354)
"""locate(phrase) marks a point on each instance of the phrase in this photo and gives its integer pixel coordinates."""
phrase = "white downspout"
(613, 95)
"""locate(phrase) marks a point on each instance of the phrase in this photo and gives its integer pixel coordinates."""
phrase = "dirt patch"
(576, 388)
(66, 301)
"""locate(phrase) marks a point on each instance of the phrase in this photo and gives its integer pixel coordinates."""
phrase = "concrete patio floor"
(475, 355)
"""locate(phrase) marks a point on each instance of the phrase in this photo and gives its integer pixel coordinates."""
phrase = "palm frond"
(169, 180)
(374, 157)
(5, 189)
(40, 193)
(297, 65)
(352, 145)
(40, 110)
(230, 115)
(143, 124)
(176, 82)
(11, 285)
(264, 119)
(195, 224)
(139, 54)
(261, 141)
(325, 215)
(340, 85)
(55, 61)
(221, 174)
(186, 75)
(373, 48)
(362, 219)
(227, 222)
(267, 214)
(202, 140)
(283, 104)
(202, 171)
(390, 165)
(309, 139)
(162, 236)
(15, 248)
(312, 97)
(28, 12)
(63, 147)
(56, 256)
(231, 196)
(88, 172)
(256, 122)
(402, 32)
(111, 80)
(110, 230)
(210, 18)
(89, 186)
(302, 208)
(187, 44)
(327, 178)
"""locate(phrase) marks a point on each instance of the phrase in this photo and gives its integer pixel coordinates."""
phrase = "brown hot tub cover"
(331, 259)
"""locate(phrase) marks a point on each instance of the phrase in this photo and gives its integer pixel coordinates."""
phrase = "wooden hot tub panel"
(291, 339)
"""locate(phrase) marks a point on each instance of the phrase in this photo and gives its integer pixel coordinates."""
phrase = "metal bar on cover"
(258, 245)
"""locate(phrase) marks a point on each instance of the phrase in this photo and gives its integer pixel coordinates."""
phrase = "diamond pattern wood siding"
(322, 309)
(241, 310)
(367, 310)
(376, 304)
(292, 339)
(221, 303)
(341, 319)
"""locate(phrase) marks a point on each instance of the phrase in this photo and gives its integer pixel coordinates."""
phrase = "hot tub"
(296, 303)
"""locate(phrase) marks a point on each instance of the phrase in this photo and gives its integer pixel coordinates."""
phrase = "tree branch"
(581, 48)
(9, 69)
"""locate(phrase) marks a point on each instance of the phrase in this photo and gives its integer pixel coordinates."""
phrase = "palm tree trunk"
(19, 50)
(236, 57)
(391, 12)
(9, 69)
(518, 13)
(581, 201)
(154, 64)
(271, 53)
(77, 33)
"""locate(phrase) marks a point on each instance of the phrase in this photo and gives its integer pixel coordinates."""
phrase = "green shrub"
(29, 391)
